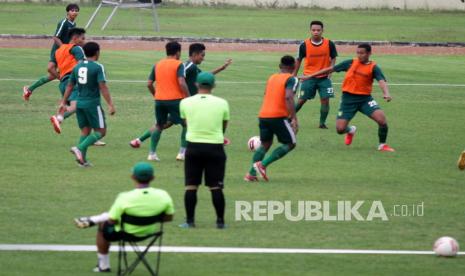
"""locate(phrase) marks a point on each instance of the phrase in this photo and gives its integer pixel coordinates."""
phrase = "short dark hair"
(72, 6)
(91, 49)
(172, 48)
(76, 31)
(316, 22)
(365, 46)
(196, 48)
(288, 61)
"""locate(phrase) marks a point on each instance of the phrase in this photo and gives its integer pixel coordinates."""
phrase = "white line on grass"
(190, 249)
(262, 82)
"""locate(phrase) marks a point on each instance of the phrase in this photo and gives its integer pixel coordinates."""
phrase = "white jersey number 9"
(82, 73)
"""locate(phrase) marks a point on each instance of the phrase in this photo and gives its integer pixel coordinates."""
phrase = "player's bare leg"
(379, 117)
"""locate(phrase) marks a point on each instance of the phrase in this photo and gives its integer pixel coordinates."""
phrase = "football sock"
(218, 203)
(347, 130)
(258, 156)
(324, 111)
(103, 261)
(182, 150)
(190, 200)
(155, 138)
(382, 133)
(100, 218)
(81, 139)
(90, 140)
(67, 114)
(183, 137)
(146, 135)
(41, 81)
(276, 154)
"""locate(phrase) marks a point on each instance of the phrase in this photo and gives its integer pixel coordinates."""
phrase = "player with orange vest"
(318, 53)
(66, 57)
(170, 88)
(277, 117)
(356, 94)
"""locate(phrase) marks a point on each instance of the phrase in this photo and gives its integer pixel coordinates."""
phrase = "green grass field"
(234, 22)
(43, 189)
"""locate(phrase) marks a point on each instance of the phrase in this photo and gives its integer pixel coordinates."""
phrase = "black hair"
(76, 31)
(365, 46)
(196, 48)
(72, 6)
(316, 22)
(288, 61)
(91, 49)
(172, 48)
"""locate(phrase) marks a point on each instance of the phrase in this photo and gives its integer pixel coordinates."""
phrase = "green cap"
(206, 79)
(142, 171)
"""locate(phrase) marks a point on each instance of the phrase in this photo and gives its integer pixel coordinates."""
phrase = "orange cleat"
(385, 147)
(258, 166)
(350, 135)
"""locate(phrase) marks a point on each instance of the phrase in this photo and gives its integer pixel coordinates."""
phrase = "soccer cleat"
(181, 156)
(135, 143)
(26, 93)
(56, 124)
(100, 143)
(83, 222)
(322, 126)
(385, 147)
(258, 166)
(220, 225)
(187, 225)
(226, 141)
(461, 162)
(78, 154)
(98, 269)
(350, 135)
(153, 156)
(250, 178)
(86, 164)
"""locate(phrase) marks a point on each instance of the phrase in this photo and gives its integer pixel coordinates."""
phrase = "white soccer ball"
(446, 247)
(254, 143)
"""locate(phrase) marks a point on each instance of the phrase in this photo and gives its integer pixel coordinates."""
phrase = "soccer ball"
(446, 247)
(254, 143)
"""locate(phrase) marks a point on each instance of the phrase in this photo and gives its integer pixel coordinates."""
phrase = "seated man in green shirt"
(141, 201)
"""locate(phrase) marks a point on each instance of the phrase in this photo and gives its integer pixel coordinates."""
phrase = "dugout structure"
(124, 4)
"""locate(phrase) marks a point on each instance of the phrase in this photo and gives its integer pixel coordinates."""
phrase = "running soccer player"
(318, 53)
(89, 77)
(356, 94)
(61, 36)
(170, 88)
(66, 58)
(276, 112)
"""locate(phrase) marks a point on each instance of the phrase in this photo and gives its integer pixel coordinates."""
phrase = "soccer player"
(66, 58)
(170, 88)
(89, 77)
(276, 112)
(61, 36)
(461, 162)
(356, 94)
(141, 201)
(206, 117)
(318, 53)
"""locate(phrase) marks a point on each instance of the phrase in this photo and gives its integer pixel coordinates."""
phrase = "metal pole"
(93, 16)
(109, 17)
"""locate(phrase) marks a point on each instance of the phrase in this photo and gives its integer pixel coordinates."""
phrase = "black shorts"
(208, 158)
(110, 234)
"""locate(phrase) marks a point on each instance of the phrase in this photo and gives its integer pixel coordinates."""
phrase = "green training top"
(303, 50)
(141, 202)
(62, 30)
(192, 70)
(345, 65)
(204, 115)
(87, 75)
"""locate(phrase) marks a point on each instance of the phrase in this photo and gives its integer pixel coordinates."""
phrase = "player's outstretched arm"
(222, 67)
(106, 95)
(326, 70)
(386, 95)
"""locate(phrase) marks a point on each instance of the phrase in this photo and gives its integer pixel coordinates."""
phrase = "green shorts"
(276, 126)
(92, 116)
(170, 108)
(309, 87)
(62, 86)
(52, 53)
(351, 103)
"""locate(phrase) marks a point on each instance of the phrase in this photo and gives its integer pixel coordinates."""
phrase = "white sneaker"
(83, 222)
(78, 154)
(100, 143)
(153, 156)
(181, 156)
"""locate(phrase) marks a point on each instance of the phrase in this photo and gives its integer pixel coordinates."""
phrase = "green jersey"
(345, 65)
(62, 30)
(87, 76)
(141, 202)
(192, 70)
(204, 115)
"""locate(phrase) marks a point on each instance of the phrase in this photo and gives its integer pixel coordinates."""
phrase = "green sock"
(41, 81)
(278, 153)
(67, 114)
(258, 156)
(155, 138)
(324, 111)
(183, 137)
(90, 140)
(347, 130)
(81, 139)
(146, 135)
(382, 134)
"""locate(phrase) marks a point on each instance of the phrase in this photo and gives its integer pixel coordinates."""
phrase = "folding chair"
(123, 267)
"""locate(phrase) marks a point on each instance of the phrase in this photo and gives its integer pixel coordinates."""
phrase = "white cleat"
(153, 157)
(100, 143)
(78, 154)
